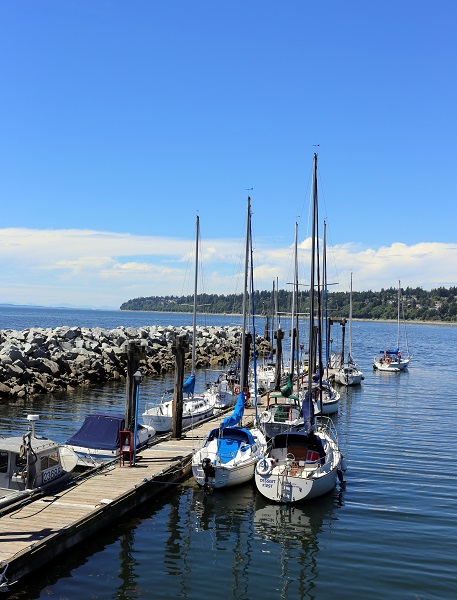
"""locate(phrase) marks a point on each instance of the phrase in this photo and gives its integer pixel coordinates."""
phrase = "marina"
(389, 531)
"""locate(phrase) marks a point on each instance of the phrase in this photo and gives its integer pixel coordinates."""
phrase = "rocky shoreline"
(39, 361)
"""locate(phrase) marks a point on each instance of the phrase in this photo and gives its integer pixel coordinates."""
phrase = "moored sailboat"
(303, 464)
(195, 407)
(348, 373)
(393, 360)
(230, 453)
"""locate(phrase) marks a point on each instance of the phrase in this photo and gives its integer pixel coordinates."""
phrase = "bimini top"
(99, 431)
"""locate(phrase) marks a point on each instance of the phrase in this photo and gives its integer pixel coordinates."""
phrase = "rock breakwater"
(39, 361)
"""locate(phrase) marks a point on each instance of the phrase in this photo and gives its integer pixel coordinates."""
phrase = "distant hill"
(439, 304)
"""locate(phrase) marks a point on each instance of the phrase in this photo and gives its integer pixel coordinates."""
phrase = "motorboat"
(30, 464)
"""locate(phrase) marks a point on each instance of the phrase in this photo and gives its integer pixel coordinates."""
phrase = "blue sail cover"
(189, 385)
(237, 414)
(319, 373)
(396, 351)
(307, 410)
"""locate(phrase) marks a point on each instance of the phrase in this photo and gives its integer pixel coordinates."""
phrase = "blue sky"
(120, 121)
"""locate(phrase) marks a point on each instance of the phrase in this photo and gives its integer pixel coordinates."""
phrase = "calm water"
(390, 533)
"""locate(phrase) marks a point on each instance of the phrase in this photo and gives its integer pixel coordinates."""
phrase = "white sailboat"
(348, 373)
(303, 464)
(230, 452)
(195, 407)
(393, 360)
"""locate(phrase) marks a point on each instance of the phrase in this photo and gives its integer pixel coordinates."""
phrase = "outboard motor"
(209, 472)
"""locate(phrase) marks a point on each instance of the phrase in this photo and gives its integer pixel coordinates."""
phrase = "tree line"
(416, 304)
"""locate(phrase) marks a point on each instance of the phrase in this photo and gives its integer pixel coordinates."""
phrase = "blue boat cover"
(234, 433)
(237, 414)
(396, 351)
(189, 385)
(100, 431)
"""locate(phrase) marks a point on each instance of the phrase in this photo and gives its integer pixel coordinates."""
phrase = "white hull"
(280, 487)
(93, 457)
(160, 416)
(348, 376)
(330, 401)
(226, 476)
(220, 396)
(391, 365)
(231, 470)
(288, 478)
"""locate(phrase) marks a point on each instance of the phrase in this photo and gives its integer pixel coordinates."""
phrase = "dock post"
(135, 353)
(179, 348)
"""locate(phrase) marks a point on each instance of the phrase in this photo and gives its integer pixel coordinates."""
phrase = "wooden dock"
(35, 531)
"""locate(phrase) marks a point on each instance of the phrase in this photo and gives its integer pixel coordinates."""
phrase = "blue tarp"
(189, 385)
(99, 431)
(237, 414)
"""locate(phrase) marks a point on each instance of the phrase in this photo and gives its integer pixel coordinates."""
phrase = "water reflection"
(295, 530)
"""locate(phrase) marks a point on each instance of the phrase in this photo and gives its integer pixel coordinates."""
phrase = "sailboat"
(348, 374)
(195, 408)
(230, 453)
(393, 360)
(303, 464)
(283, 410)
(327, 397)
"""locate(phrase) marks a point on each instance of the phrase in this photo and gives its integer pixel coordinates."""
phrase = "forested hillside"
(417, 304)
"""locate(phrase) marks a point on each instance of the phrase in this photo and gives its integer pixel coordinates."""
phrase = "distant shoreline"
(179, 312)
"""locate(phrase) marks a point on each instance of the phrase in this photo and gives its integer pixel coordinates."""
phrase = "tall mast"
(245, 294)
(350, 325)
(292, 318)
(312, 280)
(398, 317)
(194, 329)
(325, 319)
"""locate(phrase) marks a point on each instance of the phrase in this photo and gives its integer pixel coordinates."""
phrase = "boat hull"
(285, 488)
(300, 466)
(161, 416)
(225, 476)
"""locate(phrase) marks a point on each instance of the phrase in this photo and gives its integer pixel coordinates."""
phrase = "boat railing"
(327, 425)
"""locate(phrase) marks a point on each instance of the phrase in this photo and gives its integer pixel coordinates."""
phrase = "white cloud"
(84, 267)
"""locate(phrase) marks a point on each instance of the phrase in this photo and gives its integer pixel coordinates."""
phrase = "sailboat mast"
(312, 280)
(325, 319)
(350, 325)
(292, 318)
(245, 294)
(398, 317)
(194, 328)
